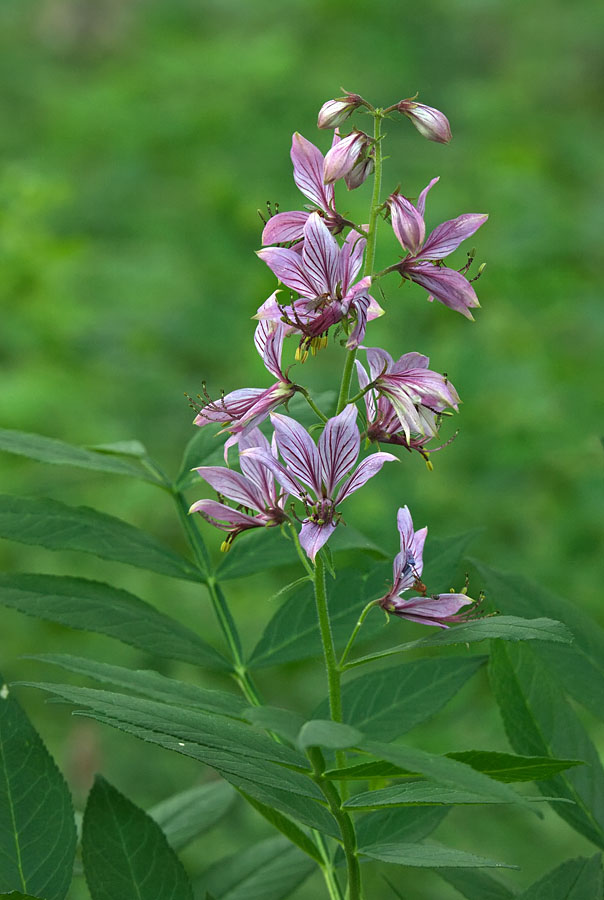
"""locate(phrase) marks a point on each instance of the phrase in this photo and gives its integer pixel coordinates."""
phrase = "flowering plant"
(337, 783)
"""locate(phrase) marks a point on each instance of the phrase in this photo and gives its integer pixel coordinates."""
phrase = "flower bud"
(359, 173)
(430, 122)
(344, 156)
(334, 112)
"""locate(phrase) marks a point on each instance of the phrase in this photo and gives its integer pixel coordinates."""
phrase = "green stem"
(331, 881)
(356, 630)
(369, 250)
(311, 403)
(329, 650)
(300, 551)
(349, 841)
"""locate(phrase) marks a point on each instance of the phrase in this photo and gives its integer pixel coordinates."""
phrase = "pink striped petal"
(367, 469)
(447, 285)
(447, 237)
(369, 398)
(284, 227)
(223, 516)
(421, 200)
(407, 222)
(279, 471)
(321, 255)
(308, 172)
(339, 446)
(351, 259)
(298, 450)
(313, 537)
(233, 485)
(379, 362)
(229, 408)
(287, 265)
(268, 339)
(410, 361)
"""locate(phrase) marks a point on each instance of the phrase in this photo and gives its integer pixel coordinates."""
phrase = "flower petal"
(230, 408)
(367, 469)
(407, 222)
(447, 285)
(343, 156)
(278, 469)
(447, 237)
(433, 610)
(233, 485)
(369, 396)
(308, 172)
(268, 339)
(284, 227)
(351, 259)
(289, 268)
(421, 200)
(339, 446)
(253, 469)
(313, 537)
(298, 450)
(379, 361)
(321, 256)
(223, 516)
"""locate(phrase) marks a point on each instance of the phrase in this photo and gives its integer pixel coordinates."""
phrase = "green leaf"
(476, 885)
(151, 684)
(270, 870)
(37, 825)
(429, 856)
(507, 628)
(575, 879)
(121, 448)
(405, 824)
(15, 895)
(49, 450)
(330, 735)
(95, 606)
(388, 703)
(186, 815)
(509, 767)
(293, 632)
(125, 853)
(281, 721)
(420, 793)
(286, 827)
(205, 448)
(56, 526)
(579, 667)
(443, 770)
(538, 720)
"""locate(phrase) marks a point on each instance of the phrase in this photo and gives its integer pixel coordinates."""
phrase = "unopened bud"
(344, 156)
(430, 122)
(335, 112)
(361, 171)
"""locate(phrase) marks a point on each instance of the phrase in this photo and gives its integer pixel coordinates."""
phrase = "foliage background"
(138, 138)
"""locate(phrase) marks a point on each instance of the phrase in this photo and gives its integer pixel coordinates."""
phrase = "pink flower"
(447, 285)
(323, 274)
(321, 468)
(438, 609)
(260, 503)
(245, 408)
(344, 155)
(308, 174)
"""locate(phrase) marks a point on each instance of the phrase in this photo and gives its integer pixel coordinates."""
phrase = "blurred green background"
(139, 137)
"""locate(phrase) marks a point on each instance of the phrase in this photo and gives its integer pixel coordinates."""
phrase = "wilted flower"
(245, 408)
(335, 112)
(308, 174)
(260, 503)
(324, 274)
(319, 468)
(447, 285)
(416, 393)
(435, 609)
(344, 155)
(430, 122)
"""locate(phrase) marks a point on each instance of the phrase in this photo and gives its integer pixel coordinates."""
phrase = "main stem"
(369, 251)
(329, 650)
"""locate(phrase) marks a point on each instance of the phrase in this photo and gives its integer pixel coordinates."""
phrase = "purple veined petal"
(369, 397)
(298, 450)
(313, 536)
(268, 339)
(404, 523)
(405, 409)
(410, 361)
(447, 237)
(361, 305)
(270, 309)
(407, 222)
(308, 172)
(233, 485)
(321, 256)
(374, 310)
(421, 200)
(446, 285)
(317, 321)
(379, 361)
(339, 447)
(284, 477)
(223, 516)
(403, 574)
(432, 610)
(351, 259)
(366, 470)
(343, 156)
(229, 408)
(252, 468)
(287, 265)
(284, 227)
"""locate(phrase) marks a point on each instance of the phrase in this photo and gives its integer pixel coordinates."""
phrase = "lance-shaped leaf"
(388, 703)
(330, 735)
(56, 526)
(580, 666)
(125, 852)
(285, 825)
(575, 879)
(405, 824)
(49, 450)
(430, 856)
(186, 815)
(37, 827)
(270, 870)
(475, 885)
(539, 720)
(151, 685)
(95, 606)
(507, 628)
(419, 793)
